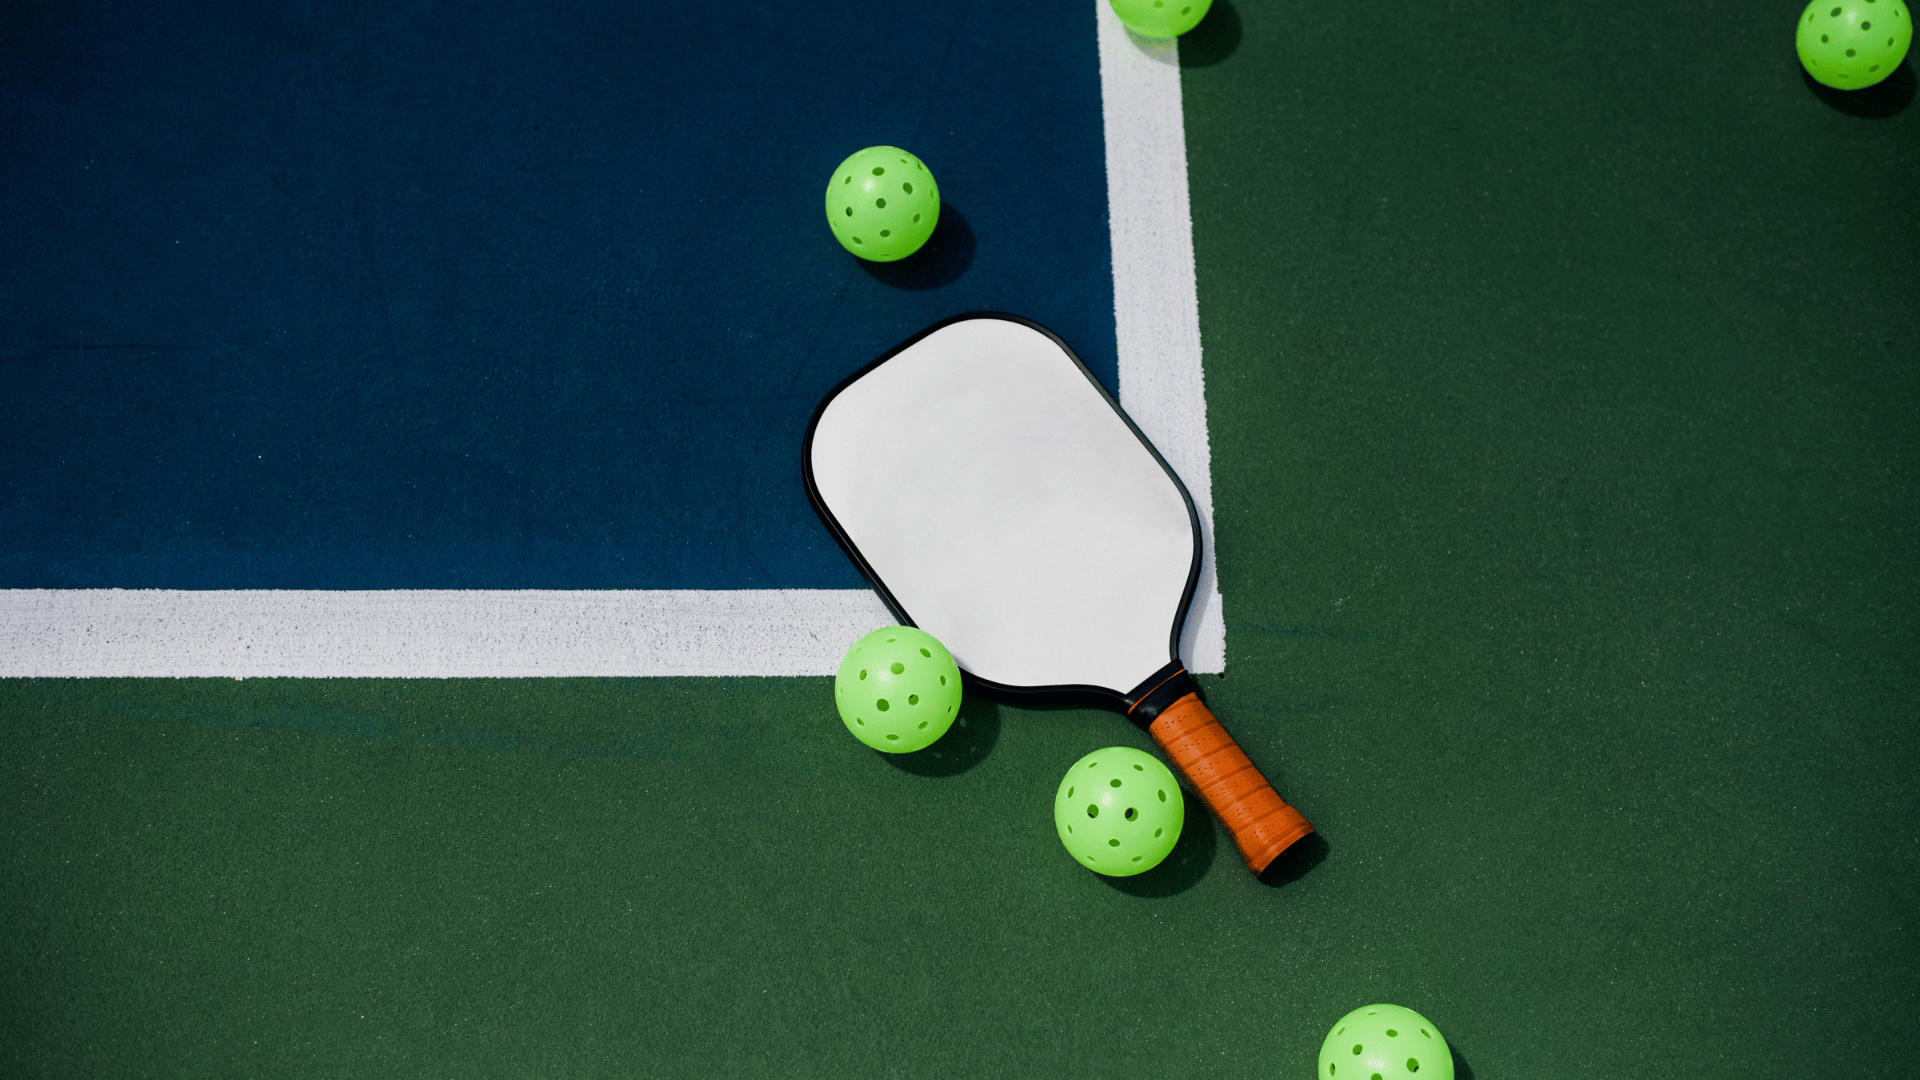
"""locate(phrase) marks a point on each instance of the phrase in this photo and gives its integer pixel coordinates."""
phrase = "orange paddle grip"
(1262, 824)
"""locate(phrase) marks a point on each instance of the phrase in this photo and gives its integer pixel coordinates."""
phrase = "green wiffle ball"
(1119, 811)
(898, 689)
(882, 204)
(1385, 1042)
(1161, 18)
(1853, 44)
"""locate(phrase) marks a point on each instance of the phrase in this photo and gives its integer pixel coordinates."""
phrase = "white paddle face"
(996, 492)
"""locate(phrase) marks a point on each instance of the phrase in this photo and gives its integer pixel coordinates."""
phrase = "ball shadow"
(944, 258)
(1214, 39)
(1461, 1070)
(965, 744)
(1888, 97)
(1292, 864)
(1186, 864)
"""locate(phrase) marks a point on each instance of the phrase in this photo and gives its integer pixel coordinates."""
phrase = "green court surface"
(1562, 396)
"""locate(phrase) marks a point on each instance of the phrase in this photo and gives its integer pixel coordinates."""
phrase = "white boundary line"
(94, 633)
(442, 633)
(1156, 303)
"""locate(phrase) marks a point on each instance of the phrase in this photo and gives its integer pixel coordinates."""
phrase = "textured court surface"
(1561, 404)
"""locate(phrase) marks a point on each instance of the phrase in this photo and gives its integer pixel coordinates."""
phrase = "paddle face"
(997, 498)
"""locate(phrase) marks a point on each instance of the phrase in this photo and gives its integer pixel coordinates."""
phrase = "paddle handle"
(1261, 823)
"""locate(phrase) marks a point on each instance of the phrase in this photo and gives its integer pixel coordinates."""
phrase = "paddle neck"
(1160, 690)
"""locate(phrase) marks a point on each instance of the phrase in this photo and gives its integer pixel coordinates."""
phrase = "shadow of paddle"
(1186, 864)
(946, 256)
(966, 744)
(1292, 864)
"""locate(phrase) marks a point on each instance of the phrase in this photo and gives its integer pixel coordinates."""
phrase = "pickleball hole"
(893, 738)
(923, 725)
(849, 211)
(1157, 832)
(1131, 813)
(943, 680)
(859, 721)
(1139, 768)
(884, 233)
(1823, 39)
(1866, 26)
(1163, 796)
(1069, 793)
(880, 203)
(1834, 14)
(926, 654)
(1137, 858)
(1873, 69)
(1392, 1034)
(1423, 1031)
(1849, 52)
(879, 170)
(1113, 783)
(1356, 1046)
(907, 187)
(1413, 1064)
(856, 240)
(916, 219)
(897, 667)
(1113, 843)
(848, 180)
(863, 673)
(1376, 1076)
(914, 699)
(882, 705)
(1093, 810)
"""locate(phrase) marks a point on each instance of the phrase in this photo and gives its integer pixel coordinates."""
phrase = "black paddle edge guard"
(1127, 702)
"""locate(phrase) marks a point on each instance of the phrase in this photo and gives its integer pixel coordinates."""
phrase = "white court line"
(431, 633)
(92, 633)
(1156, 303)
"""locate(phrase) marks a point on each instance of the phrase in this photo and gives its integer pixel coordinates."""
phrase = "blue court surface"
(378, 297)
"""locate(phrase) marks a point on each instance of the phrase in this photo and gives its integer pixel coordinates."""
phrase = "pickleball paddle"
(996, 497)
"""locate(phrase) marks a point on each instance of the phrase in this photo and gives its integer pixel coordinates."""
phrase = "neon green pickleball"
(1853, 44)
(1119, 811)
(1385, 1042)
(882, 204)
(898, 689)
(1161, 18)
